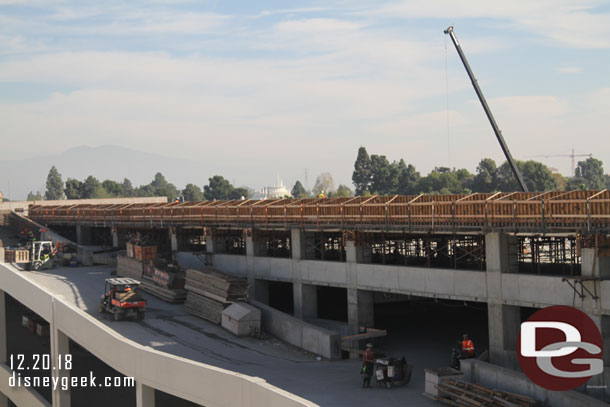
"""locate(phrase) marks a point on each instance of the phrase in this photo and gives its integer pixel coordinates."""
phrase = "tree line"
(373, 174)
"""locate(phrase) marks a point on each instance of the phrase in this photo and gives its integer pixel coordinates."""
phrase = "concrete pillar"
(503, 320)
(305, 298)
(173, 238)
(594, 266)
(360, 311)
(60, 347)
(297, 244)
(209, 244)
(115, 238)
(250, 246)
(145, 396)
(83, 235)
(504, 323)
(261, 291)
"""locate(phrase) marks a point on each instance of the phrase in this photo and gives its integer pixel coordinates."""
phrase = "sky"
(268, 88)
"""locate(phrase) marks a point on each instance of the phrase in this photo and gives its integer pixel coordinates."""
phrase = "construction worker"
(321, 196)
(368, 364)
(467, 347)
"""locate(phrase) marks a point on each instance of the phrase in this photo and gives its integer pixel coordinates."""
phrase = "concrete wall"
(300, 333)
(184, 378)
(509, 380)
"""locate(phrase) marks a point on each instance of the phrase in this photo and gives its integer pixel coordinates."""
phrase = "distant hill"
(104, 162)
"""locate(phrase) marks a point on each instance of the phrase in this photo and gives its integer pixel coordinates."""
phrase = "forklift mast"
(492, 121)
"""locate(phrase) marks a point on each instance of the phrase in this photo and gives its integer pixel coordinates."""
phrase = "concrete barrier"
(299, 333)
(497, 377)
(193, 381)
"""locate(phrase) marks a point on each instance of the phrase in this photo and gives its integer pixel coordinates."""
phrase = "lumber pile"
(458, 393)
(210, 291)
(171, 295)
(127, 267)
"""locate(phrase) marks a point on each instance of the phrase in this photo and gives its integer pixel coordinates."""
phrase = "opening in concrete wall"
(425, 330)
(549, 255)
(28, 345)
(112, 388)
(281, 296)
(229, 241)
(326, 246)
(69, 232)
(191, 239)
(439, 251)
(271, 243)
(163, 399)
(332, 303)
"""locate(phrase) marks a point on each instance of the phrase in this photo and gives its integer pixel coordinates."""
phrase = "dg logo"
(560, 348)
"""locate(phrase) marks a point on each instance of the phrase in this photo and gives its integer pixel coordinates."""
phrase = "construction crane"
(492, 121)
(572, 156)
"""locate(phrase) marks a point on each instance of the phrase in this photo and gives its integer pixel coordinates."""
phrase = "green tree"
(91, 188)
(73, 188)
(407, 178)
(299, 191)
(113, 188)
(324, 184)
(536, 175)
(55, 186)
(34, 196)
(127, 188)
(384, 176)
(442, 180)
(592, 171)
(343, 191)
(192, 193)
(362, 174)
(239, 193)
(160, 187)
(486, 179)
(218, 188)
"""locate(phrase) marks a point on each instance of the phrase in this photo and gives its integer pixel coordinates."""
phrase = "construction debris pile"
(210, 291)
(463, 394)
(158, 277)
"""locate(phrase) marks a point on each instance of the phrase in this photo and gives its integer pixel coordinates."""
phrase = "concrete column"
(503, 320)
(60, 346)
(360, 311)
(115, 238)
(145, 396)
(209, 244)
(83, 235)
(261, 291)
(173, 238)
(504, 323)
(305, 300)
(252, 286)
(598, 385)
(297, 244)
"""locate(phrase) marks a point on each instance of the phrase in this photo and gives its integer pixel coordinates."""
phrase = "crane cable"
(447, 107)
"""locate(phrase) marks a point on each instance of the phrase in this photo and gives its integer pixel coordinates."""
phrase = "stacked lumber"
(463, 394)
(171, 295)
(210, 291)
(127, 267)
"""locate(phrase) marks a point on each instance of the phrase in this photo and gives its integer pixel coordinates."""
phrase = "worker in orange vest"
(467, 348)
(367, 365)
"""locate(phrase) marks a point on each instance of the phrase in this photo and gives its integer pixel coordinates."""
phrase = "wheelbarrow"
(391, 371)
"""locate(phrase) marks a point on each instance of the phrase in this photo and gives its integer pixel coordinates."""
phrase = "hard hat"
(369, 345)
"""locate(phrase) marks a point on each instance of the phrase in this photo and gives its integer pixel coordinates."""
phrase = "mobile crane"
(492, 121)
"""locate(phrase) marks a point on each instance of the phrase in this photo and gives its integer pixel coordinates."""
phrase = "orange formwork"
(571, 211)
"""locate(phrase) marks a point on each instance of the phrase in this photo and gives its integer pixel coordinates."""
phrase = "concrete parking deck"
(169, 328)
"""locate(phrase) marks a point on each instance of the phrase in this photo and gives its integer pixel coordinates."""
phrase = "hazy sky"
(263, 88)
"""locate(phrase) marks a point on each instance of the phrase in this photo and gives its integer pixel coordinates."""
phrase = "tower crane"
(572, 156)
(492, 121)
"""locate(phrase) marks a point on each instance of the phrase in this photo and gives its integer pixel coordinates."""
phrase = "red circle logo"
(560, 348)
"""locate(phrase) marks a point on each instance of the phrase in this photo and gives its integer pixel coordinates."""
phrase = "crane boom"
(492, 121)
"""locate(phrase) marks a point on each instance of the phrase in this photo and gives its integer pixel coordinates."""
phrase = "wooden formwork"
(572, 210)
